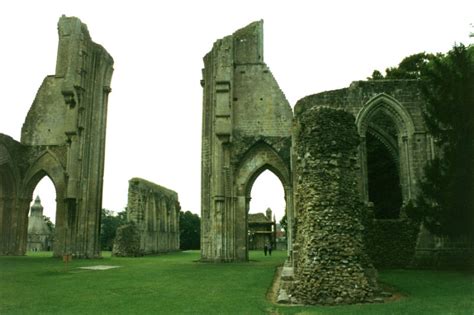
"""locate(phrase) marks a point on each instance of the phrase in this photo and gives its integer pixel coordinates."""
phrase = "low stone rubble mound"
(127, 241)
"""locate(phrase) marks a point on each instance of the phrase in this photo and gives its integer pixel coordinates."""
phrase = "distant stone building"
(261, 230)
(155, 209)
(40, 236)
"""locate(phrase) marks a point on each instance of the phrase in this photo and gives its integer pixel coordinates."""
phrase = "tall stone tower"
(39, 234)
(246, 130)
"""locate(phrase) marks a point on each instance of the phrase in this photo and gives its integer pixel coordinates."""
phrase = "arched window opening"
(267, 208)
(42, 218)
(383, 166)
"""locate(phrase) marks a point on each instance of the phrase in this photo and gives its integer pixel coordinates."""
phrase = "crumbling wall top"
(143, 184)
(248, 44)
(83, 70)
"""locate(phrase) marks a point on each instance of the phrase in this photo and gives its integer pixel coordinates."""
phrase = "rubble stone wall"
(331, 264)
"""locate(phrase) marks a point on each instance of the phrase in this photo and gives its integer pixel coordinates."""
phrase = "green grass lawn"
(177, 284)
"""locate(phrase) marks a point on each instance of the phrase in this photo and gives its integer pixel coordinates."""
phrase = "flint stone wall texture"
(155, 211)
(331, 264)
(390, 243)
(403, 102)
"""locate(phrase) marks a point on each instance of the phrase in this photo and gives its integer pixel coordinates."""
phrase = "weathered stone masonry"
(323, 161)
(246, 130)
(331, 266)
(390, 110)
(63, 137)
(155, 210)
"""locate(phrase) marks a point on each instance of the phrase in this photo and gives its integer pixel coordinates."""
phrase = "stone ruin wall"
(63, 137)
(246, 129)
(155, 210)
(401, 97)
(390, 242)
(331, 266)
(244, 111)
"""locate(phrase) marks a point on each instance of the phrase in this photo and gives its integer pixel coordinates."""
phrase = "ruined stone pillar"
(331, 266)
(246, 129)
(64, 137)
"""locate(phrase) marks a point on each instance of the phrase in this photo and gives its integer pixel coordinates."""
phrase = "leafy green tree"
(446, 200)
(108, 227)
(49, 223)
(410, 67)
(190, 230)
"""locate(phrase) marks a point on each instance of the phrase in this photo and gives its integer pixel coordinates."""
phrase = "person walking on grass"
(270, 249)
(265, 249)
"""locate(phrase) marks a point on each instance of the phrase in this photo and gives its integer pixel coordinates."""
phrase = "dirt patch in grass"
(272, 292)
(396, 294)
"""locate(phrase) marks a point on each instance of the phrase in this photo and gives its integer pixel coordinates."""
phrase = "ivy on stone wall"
(391, 243)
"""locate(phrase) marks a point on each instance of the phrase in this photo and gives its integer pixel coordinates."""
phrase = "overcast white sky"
(154, 118)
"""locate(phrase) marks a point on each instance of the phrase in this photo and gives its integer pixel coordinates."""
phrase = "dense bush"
(391, 243)
(189, 230)
(109, 223)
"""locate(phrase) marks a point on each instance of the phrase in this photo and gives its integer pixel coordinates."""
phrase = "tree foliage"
(284, 223)
(446, 201)
(108, 227)
(410, 67)
(49, 223)
(190, 230)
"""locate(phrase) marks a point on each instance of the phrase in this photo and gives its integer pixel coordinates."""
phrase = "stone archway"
(63, 137)
(48, 165)
(247, 124)
(399, 144)
(259, 158)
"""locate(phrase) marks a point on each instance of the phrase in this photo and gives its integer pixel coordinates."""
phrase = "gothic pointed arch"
(63, 137)
(260, 157)
(387, 140)
(247, 124)
(47, 164)
(391, 107)
(395, 133)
